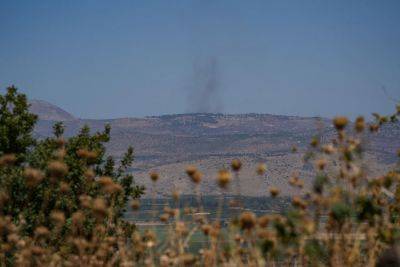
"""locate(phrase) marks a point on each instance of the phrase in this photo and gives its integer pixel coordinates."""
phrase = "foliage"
(54, 181)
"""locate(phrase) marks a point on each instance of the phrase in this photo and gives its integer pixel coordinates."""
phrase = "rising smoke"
(204, 90)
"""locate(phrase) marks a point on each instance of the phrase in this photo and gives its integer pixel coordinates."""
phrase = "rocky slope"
(169, 143)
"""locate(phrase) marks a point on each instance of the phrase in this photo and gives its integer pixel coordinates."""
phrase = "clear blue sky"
(105, 59)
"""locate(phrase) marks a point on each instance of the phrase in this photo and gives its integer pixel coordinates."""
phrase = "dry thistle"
(373, 128)
(57, 169)
(33, 176)
(181, 229)
(7, 160)
(99, 207)
(314, 142)
(261, 169)
(60, 153)
(223, 179)
(298, 202)
(89, 174)
(321, 164)
(196, 178)
(60, 142)
(175, 194)
(109, 186)
(274, 191)
(87, 154)
(135, 204)
(57, 217)
(64, 187)
(154, 176)
(85, 201)
(164, 217)
(247, 220)
(328, 149)
(77, 218)
(264, 220)
(105, 181)
(206, 229)
(360, 124)
(41, 231)
(340, 122)
(191, 170)
(293, 180)
(236, 165)
(194, 174)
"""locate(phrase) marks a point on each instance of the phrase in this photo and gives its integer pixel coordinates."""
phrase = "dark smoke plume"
(204, 90)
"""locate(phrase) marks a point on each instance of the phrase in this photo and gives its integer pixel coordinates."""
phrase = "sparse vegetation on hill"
(62, 203)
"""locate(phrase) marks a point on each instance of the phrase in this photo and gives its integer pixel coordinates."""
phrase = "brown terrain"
(169, 143)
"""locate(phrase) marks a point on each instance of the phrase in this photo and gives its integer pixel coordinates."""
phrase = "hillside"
(169, 143)
(49, 112)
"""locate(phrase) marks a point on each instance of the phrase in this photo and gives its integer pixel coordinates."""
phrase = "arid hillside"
(168, 143)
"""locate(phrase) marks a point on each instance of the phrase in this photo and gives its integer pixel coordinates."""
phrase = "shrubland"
(62, 203)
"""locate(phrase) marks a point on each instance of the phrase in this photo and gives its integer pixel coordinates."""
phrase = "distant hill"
(168, 143)
(49, 112)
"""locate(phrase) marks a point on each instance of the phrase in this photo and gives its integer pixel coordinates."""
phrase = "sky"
(108, 59)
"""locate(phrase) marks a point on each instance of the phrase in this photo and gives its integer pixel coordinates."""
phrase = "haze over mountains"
(168, 143)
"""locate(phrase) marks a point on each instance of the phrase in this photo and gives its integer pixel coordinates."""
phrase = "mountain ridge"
(168, 143)
(48, 111)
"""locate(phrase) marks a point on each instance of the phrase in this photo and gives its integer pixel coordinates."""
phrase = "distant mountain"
(169, 143)
(49, 112)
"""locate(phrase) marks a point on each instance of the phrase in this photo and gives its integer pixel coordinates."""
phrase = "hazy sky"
(104, 59)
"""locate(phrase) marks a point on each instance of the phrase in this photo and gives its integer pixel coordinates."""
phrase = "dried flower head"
(190, 170)
(274, 191)
(164, 217)
(7, 160)
(57, 217)
(87, 154)
(85, 201)
(224, 177)
(135, 204)
(154, 176)
(181, 228)
(373, 128)
(89, 174)
(175, 194)
(64, 187)
(236, 165)
(261, 169)
(359, 124)
(328, 149)
(60, 153)
(57, 169)
(206, 228)
(264, 220)
(99, 207)
(41, 231)
(321, 163)
(247, 220)
(77, 218)
(33, 176)
(194, 174)
(340, 122)
(314, 141)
